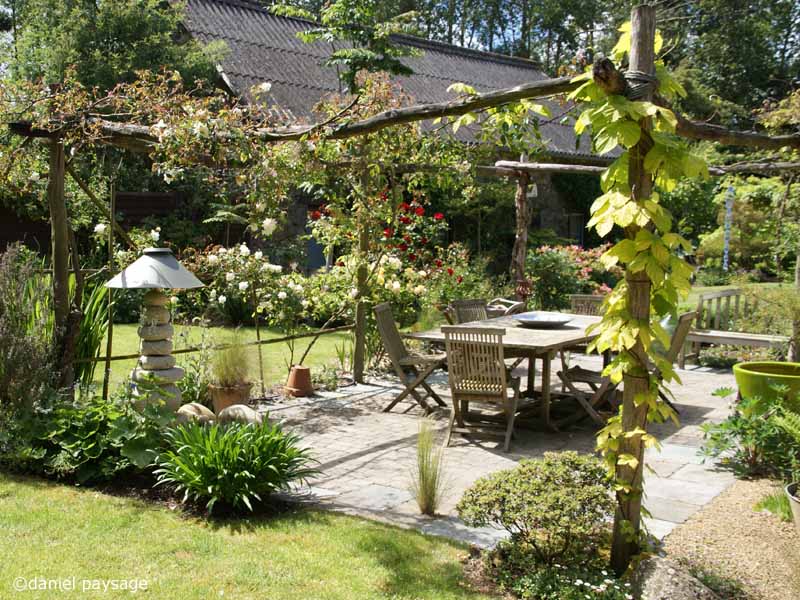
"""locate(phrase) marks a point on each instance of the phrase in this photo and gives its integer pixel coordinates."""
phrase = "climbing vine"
(649, 250)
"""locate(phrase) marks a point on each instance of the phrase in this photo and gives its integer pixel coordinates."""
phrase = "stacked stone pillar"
(155, 375)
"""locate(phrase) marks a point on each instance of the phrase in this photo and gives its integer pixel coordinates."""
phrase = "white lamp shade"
(156, 268)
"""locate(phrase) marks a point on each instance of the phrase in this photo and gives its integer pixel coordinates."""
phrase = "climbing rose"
(100, 228)
(402, 247)
(243, 285)
(316, 215)
(405, 206)
(269, 226)
(420, 211)
(388, 232)
(449, 271)
(438, 216)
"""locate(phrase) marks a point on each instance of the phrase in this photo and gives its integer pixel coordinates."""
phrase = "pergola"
(139, 138)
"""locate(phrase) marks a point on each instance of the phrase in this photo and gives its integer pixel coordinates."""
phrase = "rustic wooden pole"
(636, 381)
(59, 232)
(523, 221)
(360, 350)
(110, 292)
(256, 320)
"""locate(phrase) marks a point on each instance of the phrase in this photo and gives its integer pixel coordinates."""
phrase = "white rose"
(282, 295)
(269, 225)
(213, 294)
(222, 250)
(100, 228)
(258, 254)
(396, 286)
(422, 274)
(419, 290)
(212, 259)
(222, 299)
(353, 293)
(35, 176)
(305, 303)
(243, 285)
(229, 276)
(244, 250)
(173, 300)
(155, 234)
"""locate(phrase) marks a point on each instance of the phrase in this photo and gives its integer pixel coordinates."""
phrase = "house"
(263, 47)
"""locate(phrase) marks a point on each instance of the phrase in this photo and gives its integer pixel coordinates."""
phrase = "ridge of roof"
(412, 40)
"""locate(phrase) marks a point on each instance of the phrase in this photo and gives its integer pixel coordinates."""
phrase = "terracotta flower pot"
(224, 396)
(299, 382)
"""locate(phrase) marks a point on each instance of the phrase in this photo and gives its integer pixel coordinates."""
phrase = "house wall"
(553, 210)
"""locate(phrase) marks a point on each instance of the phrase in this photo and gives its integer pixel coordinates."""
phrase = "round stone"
(168, 394)
(195, 412)
(157, 363)
(156, 332)
(239, 413)
(155, 315)
(155, 347)
(159, 377)
(155, 298)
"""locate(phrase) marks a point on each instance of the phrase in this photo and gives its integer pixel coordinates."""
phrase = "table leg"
(531, 374)
(546, 360)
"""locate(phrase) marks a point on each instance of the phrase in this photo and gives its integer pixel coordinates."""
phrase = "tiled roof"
(264, 47)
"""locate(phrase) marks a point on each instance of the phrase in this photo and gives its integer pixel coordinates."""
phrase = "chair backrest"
(679, 335)
(390, 336)
(718, 310)
(501, 307)
(467, 311)
(586, 304)
(475, 363)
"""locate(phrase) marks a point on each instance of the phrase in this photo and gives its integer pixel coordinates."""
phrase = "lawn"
(58, 531)
(275, 356)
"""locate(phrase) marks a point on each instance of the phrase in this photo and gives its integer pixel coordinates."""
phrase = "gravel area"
(730, 539)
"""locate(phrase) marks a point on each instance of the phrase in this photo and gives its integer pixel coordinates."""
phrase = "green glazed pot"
(755, 379)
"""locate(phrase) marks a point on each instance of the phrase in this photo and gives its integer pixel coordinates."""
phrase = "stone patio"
(366, 456)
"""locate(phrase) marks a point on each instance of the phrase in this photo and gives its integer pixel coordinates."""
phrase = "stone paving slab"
(366, 456)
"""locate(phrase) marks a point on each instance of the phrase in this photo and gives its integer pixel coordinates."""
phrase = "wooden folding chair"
(467, 311)
(603, 390)
(412, 368)
(477, 374)
(502, 307)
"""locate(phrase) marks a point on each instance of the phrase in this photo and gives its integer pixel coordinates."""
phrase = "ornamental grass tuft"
(427, 484)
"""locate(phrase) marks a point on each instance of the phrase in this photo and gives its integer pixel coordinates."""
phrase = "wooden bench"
(716, 313)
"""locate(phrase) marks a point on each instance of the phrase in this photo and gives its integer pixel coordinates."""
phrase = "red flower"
(459, 279)
(438, 262)
(449, 271)
(316, 215)
(405, 220)
(420, 211)
(438, 216)
(407, 238)
(423, 241)
(388, 232)
(405, 206)
(402, 247)
(412, 257)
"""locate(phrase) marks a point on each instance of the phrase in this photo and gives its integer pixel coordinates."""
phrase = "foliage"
(232, 466)
(196, 365)
(520, 574)
(230, 366)
(693, 202)
(555, 508)
(428, 481)
(557, 272)
(751, 442)
(724, 357)
(777, 311)
(455, 275)
(92, 331)
(778, 504)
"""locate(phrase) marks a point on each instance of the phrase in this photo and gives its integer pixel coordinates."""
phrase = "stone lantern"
(157, 269)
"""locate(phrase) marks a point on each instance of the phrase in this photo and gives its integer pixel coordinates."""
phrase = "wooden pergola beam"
(510, 167)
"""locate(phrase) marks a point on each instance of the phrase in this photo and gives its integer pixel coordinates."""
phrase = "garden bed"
(730, 540)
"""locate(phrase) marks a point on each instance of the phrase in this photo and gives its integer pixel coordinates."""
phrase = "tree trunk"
(59, 231)
(636, 381)
(523, 221)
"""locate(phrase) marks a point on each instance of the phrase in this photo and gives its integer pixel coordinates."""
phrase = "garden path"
(366, 456)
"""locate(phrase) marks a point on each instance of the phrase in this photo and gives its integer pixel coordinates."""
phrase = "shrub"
(428, 482)
(724, 357)
(231, 466)
(554, 507)
(750, 441)
(230, 366)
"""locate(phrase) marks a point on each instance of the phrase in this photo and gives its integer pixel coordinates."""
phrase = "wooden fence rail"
(287, 338)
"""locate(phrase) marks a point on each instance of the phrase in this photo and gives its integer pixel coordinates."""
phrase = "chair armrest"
(422, 359)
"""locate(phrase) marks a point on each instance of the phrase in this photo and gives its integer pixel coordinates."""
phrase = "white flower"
(269, 225)
(272, 268)
(212, 259)
(222, 299)
(222, 250)
(244, 250)
(395, 262)
(353, 293)
(396, 286)
(199, 128)
(296, 287)
(155, 234)
(422, 274)
(263, 88)
(419, 290)
(282, 295)
(100, 228)
(305, 303)
(230, 276)
(293, 265)
(243, 285)
(35, 176)
(213, 294)
(173, 300)
(258, 254)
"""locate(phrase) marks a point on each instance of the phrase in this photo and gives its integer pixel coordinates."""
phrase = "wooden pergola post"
(637, 380)
(59, 234)
(523, 221)
(362, 274)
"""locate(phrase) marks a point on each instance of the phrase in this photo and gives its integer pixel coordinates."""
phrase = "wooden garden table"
(531, 343)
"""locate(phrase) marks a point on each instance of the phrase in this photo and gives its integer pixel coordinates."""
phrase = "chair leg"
(669, 403)
(411, 389)
(433, 394)
(449, 433)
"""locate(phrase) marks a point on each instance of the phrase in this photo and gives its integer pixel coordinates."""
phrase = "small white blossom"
(422, 274)
(100, 228)
(305, 303)
(353, 293)
(173, 300)
(243, 285)
(222, 250)
(272, 268)
(419, 290)
(155, 234)
(282, 295)
(396, 286)
(244, 250)
(212, 259)
(258, 254)
(263, 88)
(213, 294)
(269, 225)
(293, 265)
(222, 299)
(230, 276)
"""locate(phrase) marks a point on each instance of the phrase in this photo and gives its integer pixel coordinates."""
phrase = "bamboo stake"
(258, 339)
(110, 297)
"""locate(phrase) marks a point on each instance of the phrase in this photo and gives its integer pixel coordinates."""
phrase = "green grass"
(778, 504)
(126, 341)
(58, 531)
